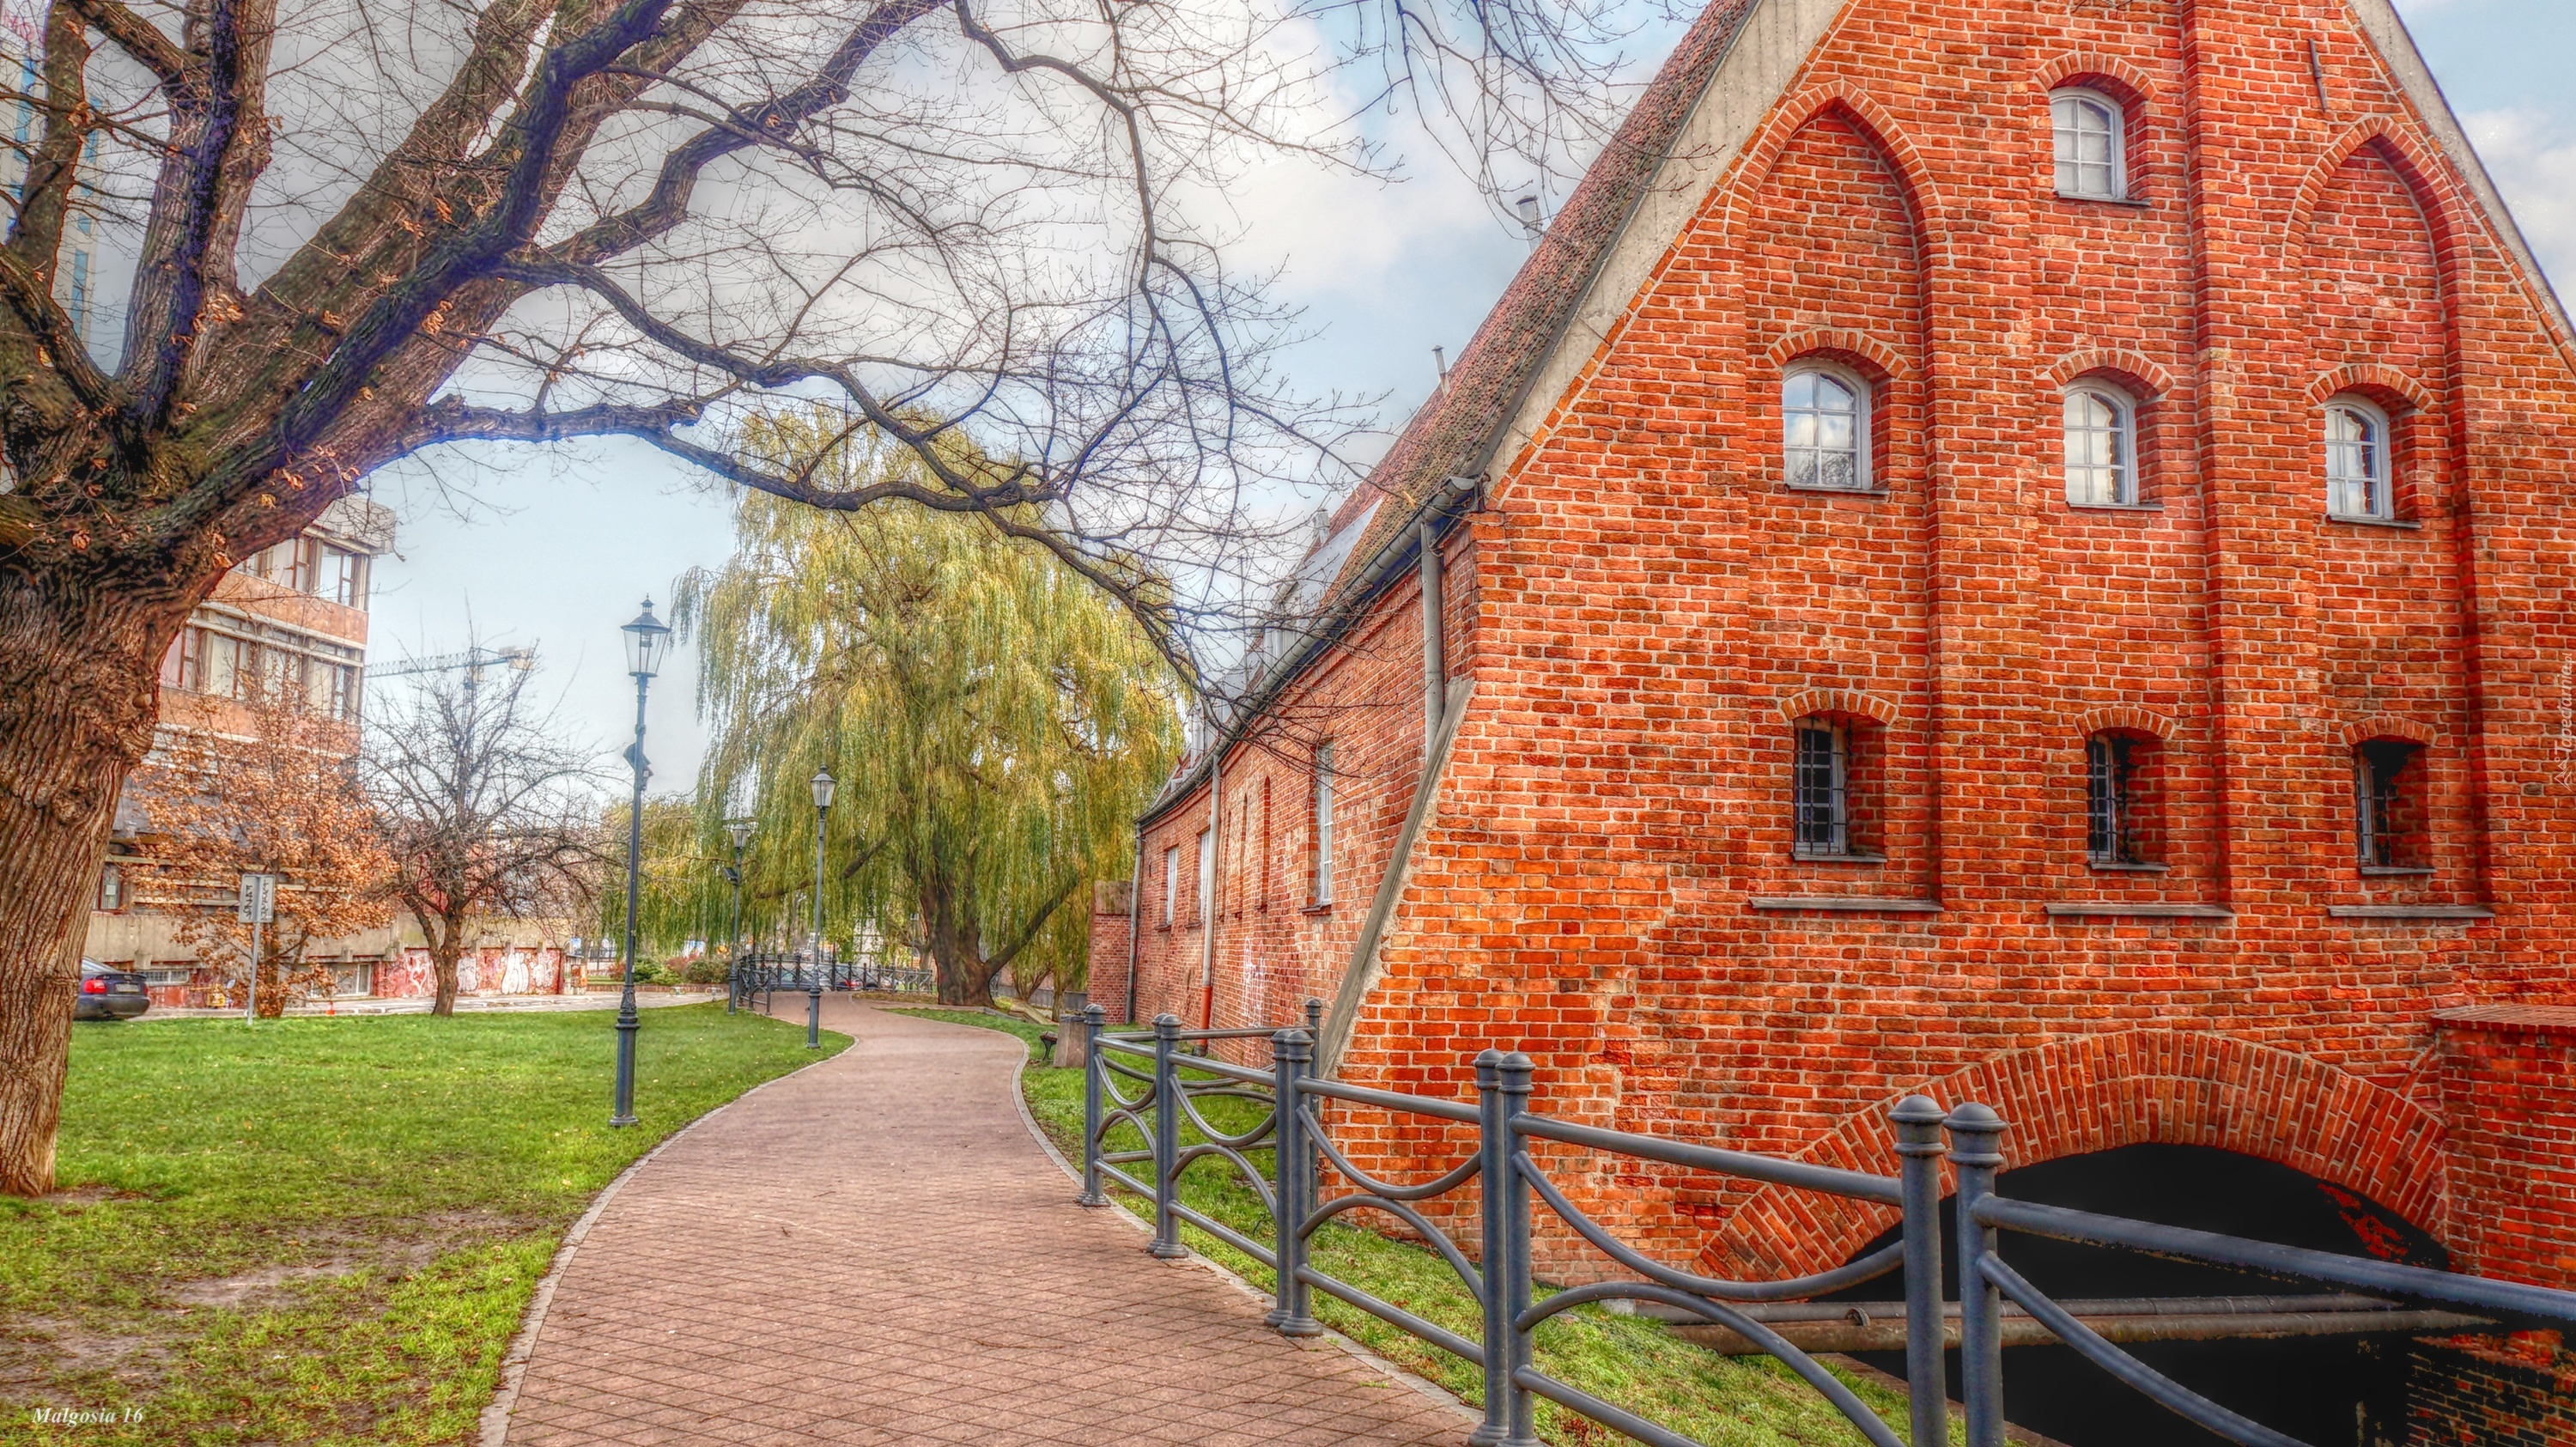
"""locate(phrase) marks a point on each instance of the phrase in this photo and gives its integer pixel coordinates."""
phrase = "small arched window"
(2388, 807)
(1824, 430)
(2090, 145)
(2357, 471)
(2101, 446)
(2120, 824)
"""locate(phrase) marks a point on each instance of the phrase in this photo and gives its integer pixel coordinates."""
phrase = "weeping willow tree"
(994, 720)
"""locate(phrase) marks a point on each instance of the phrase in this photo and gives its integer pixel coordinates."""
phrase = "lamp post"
(823, 785)
(739, 831)
(647, 639)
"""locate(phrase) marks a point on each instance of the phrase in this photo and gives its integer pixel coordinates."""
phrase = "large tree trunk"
(956, 946)
(443, 953)
(79, 671)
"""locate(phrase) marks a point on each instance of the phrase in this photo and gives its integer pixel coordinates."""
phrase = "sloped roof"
(1455, 431)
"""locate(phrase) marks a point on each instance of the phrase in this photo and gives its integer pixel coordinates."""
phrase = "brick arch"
(2127, 83)
(2387, 726)
(2140, 370)
(2416, 163)
(1882, 361)
(1877, 126)
(2370, 377)
(2100, 1092)
(1837, 700)
(2124, 716)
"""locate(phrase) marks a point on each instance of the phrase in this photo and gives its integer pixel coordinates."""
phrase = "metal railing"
(1143, 1081)
(763, 975)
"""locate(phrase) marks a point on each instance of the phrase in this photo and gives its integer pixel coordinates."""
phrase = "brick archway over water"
(2100, 1092)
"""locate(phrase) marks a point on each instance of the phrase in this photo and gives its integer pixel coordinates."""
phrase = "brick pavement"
(876, 1251)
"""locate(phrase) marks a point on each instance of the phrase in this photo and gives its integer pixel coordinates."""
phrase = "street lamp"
(739, 831)
(823, 786)
(648, 640)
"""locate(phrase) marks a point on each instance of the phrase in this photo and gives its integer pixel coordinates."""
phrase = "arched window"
(2090, 143)
(1824, 430)
(2101, 446)
(2357, 471)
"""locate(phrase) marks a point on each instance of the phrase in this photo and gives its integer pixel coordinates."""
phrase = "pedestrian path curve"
(875, 1250)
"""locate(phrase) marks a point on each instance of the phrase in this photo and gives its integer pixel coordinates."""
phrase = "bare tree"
(356, 232)
(485, 811)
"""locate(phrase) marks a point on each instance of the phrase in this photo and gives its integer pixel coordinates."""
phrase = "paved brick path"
(875, 1251)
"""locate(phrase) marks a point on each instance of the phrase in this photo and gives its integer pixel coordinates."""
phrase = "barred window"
(2387, 816)
(2357, 473)
(2090, 160)
(2101, 447)
(1823, 789)
(1824, 430)
(2117, 810)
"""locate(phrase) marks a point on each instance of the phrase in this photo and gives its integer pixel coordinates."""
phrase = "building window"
(1823, 789)
(1323, 824)
(2388, 806)
(111, 888)
(1264, 866)
(2101, 447)
(1171, 881)
(2357, 473)
(344, 577)
(1199, 906)
(2089, 129)
(2119, 802)
(1824, 430)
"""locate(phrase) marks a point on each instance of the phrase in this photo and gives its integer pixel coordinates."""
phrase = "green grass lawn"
(1628, 1360)
(322, 1230)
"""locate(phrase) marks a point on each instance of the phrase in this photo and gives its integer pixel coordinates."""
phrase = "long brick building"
(2017, 550)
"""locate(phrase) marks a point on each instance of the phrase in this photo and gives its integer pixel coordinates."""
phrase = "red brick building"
(2014, 550)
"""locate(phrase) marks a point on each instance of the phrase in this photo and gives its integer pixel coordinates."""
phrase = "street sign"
(258, 899)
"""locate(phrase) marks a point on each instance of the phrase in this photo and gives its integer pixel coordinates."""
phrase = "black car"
(107, 994)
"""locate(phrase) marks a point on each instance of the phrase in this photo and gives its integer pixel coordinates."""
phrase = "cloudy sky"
(560, 554)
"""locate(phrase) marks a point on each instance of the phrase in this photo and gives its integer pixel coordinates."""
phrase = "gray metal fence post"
(1513, 1088)
(1092, 1085)
(1167, 1138)
(1493, 1169)
(1976, 1149)
(1918, 1143)
(1292, 1054)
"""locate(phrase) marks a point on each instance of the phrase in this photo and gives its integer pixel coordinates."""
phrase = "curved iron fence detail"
(765, 974)
(1153, 1083)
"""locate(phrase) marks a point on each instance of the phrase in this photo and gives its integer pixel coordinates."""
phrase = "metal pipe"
(1494, 1165)
(1860, 1331)
(1514, 1288)
(1435, 645)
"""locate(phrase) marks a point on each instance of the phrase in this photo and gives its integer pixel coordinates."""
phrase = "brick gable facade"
(1604, 873)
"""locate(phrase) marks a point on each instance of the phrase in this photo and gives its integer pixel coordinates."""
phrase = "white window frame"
(1171, 880)
(2380, 484)
(2067, 104)
(1200, 907)
(1323, 824)
(2125, 490)
(1864, 473)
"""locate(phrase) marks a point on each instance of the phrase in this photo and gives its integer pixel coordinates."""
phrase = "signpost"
(258, 905)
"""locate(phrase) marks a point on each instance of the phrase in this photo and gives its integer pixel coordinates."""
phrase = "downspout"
(1435, 645)
(1215, 871)
(1135, 913)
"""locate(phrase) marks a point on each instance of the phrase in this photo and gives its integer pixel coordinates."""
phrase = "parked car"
(107, 994)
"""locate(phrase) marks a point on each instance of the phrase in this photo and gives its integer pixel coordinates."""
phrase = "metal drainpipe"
(1135, 922)
(1435, 643)
(1215, 872)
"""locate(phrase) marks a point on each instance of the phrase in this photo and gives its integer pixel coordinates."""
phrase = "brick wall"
(1646, 608)
(2483, 1392)
(1113, 906)
(2509, 1091)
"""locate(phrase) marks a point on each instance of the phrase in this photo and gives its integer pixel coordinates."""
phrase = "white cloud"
(2531, 154)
